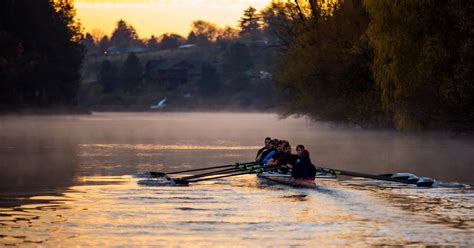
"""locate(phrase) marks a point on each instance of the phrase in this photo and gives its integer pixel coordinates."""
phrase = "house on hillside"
(168, 73)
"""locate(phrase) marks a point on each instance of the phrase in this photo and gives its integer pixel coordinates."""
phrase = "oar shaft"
(224, 171)
(236, 174)
(227, 175)
(212, 173)
(358, 174)
(213, 167)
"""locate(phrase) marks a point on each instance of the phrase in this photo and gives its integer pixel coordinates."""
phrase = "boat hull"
(288, 180)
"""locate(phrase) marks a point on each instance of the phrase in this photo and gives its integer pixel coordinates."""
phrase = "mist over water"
(73, 166)
(122, 143)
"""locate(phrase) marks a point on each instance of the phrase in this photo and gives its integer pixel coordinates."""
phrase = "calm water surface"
(68, 181)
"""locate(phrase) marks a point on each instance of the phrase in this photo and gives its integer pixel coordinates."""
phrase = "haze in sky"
(155, 17)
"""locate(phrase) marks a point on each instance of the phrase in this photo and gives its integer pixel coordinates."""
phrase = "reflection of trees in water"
(35, 166)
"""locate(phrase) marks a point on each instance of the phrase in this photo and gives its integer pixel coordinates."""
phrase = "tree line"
(406, 64)
(240, 52)
(40, 53)
(203, 33)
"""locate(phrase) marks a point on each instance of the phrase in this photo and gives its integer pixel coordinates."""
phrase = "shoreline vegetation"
(371, 63)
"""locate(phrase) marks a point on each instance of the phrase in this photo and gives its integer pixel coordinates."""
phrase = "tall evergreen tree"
(249, 24)
(123, 35)
(131, 73)
(48, 47)
(103, 45)
(89, 44)
(107, 76)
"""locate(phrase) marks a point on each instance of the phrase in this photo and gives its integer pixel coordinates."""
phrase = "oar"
(224, 171)
(358, 174)
(253, 171)
(227, 175)
(162, 174)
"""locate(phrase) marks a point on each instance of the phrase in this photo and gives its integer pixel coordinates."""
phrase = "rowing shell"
(288, 180)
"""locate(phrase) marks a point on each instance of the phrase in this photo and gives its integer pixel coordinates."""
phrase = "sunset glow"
(155, 17)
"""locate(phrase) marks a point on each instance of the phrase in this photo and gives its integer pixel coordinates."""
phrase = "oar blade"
(157, 174)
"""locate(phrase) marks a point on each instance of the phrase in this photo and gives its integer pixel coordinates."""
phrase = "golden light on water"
(168, 147)
(155, 17)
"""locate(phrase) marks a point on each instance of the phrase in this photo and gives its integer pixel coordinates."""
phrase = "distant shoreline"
(45, 111)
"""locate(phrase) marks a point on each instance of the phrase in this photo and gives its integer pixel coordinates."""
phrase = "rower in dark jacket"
(303, 168)
(264, 148)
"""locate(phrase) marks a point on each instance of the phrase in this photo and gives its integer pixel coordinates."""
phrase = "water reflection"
(63, 183)
(117, 211)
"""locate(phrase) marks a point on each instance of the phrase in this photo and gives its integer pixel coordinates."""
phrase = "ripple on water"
(242, 211)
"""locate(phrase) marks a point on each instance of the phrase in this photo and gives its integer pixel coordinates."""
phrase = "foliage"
(104, 43)
(89, 44)
(249, 23)
(324, 71)
(123, 35)
(152, 43)
(205, 32)
(131, 73)
(424, 53)
(209, 81)
(237, 59)
(107, 76)
(42, 56)
(171, 41)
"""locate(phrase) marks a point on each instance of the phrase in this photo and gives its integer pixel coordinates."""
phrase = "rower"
(299, 150)
(303, 168)
(264, 148)
(272, 158)
(264, 154)
(287, 160)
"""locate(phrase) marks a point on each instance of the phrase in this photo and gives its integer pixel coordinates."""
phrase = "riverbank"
(62, 110)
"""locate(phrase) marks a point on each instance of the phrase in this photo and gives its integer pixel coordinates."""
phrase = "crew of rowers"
(277, 153)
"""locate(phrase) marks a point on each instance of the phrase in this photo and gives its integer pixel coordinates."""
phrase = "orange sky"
(160, 16)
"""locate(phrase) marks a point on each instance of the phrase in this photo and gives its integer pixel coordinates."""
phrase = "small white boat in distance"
(159, 105)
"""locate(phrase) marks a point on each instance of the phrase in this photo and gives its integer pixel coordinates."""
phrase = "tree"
(226, 36)
(152, 43)
(237, 59)
(123, 35)
(103, 45)
(89, 44)
(131, 73)
(48, 44)
(10, 54)
(205, 32)
(324, 71)
(171, 41)
(191, 38)
(97, 35)
(209, 82)
(424, 53)
(107, 76)
(249, 23)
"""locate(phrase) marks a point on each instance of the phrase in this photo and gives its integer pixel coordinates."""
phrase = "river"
(69, 180)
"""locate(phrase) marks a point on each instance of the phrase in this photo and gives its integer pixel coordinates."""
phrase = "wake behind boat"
(286, 179)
